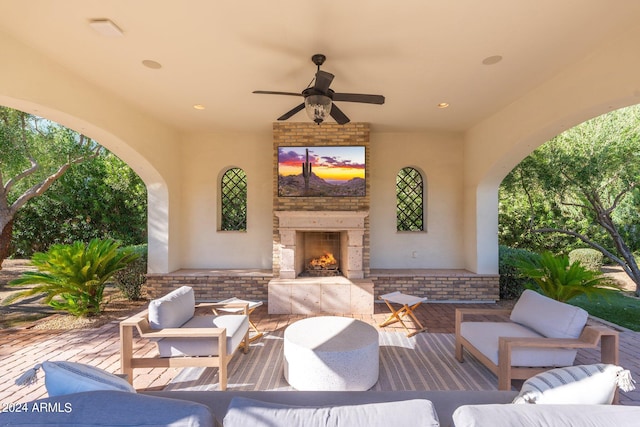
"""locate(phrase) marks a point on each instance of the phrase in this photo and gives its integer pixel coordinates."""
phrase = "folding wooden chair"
(408, 304)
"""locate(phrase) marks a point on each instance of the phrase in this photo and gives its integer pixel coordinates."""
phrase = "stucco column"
(487, 230)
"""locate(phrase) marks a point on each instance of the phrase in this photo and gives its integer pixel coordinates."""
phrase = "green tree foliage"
(101, 199)
(512, 283)
(579, 188)
(589, 258)
(34, 153)
(131, 278)
(562, 281)
(73, 277)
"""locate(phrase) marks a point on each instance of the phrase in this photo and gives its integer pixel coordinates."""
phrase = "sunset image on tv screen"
(321, 171)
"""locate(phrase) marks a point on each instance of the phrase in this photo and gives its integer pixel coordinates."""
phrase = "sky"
(329, 163)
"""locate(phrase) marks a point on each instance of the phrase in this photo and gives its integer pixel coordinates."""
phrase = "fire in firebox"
(326, 265)
(325, 261)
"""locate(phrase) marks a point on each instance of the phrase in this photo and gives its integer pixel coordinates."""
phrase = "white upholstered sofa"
(311, 409)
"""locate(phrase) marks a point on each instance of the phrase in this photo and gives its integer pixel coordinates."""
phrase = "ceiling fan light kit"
(318, 107)
(319, 99)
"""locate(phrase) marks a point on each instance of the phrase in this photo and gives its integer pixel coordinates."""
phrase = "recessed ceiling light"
(443, 105)
(490, 60)
(149, 63)
(106, 27)
(199, 107)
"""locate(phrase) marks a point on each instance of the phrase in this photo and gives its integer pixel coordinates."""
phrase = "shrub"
(512, 283)
(131, 278)
(73, 277)
(562, 281)
(590, 259)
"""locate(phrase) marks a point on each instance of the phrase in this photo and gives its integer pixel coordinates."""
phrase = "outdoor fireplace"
(305, 235)
(320, 243)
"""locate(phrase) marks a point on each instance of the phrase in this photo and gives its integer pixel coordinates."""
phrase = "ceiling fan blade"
(323, 81)
(338, 115)
(269, 92)
(359, 97)
(291, 112)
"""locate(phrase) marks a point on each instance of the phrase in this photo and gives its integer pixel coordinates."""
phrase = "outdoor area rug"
(423, 362)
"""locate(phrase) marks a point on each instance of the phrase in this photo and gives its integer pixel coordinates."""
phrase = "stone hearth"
(309, 295)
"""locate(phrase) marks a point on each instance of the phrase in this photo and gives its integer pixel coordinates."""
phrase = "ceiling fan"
(319, 98)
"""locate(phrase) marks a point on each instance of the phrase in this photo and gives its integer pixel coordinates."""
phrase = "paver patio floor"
(21, 349)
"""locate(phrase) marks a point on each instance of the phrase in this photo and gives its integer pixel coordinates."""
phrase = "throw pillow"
(255, 413)
(63, 378)
(581, 384)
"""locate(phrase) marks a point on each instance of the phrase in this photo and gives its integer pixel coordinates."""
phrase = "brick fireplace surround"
(330, 214)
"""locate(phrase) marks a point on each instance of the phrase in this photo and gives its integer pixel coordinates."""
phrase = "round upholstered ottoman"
(331, 353)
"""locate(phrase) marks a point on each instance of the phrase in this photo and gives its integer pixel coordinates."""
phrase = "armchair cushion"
(485, 337)
(236, 326)
(548, 317)
(172, 310)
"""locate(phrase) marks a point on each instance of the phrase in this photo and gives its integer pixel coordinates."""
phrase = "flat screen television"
(328, 171)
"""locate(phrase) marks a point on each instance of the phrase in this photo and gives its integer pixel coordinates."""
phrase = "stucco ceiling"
(417, 53)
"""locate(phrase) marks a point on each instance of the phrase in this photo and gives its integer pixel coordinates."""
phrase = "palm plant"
(73, 277)
(562, 281)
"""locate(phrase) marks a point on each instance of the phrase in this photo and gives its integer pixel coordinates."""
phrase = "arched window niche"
(410, 200)
(233, 200)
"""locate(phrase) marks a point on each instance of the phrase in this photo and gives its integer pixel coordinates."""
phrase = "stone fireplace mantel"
(350, 224)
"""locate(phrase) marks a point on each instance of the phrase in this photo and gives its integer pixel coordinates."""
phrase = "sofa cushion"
(546, 416)
(236, 326)
(244, 412)
(444, 402)
(109, 408)
(173, 309)
(485, 336)
(548, 317)
(582, 384)
(63, 378)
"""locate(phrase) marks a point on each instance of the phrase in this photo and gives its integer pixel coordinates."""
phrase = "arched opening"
(157, 192)
(484, 197)
(579, 190)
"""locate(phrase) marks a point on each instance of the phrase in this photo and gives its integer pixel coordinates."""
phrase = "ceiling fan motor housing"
(318, 59)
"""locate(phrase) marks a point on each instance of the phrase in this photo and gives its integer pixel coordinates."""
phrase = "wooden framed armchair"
(183, 338)
(540, 334)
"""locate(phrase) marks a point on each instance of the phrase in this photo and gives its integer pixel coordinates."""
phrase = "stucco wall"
(439, 157)
(205, 157)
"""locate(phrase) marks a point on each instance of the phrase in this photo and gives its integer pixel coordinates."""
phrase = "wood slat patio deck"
(21, 349)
